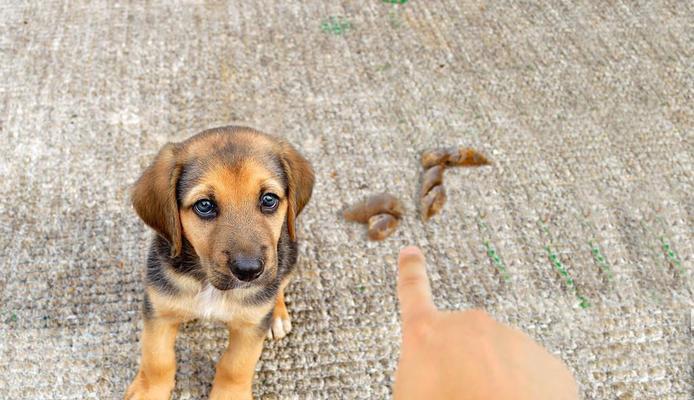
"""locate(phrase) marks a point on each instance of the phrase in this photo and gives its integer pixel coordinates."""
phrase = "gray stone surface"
(585, 109)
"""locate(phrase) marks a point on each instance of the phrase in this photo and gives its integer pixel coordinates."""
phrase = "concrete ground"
(585, 109)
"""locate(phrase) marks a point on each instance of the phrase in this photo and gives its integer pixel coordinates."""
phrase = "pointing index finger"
(414, 291)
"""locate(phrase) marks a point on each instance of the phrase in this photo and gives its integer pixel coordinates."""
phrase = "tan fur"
(280, 310)
(234, 377)
(155, 379)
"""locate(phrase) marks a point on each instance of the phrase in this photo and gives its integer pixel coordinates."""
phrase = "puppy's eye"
(205, 209)
(269, 202)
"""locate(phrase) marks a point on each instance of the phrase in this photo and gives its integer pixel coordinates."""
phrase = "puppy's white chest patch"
(212, 303)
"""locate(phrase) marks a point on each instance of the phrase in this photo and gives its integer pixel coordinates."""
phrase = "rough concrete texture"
(584, 108)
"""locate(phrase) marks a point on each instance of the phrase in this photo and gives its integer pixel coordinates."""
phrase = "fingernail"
(411, 253)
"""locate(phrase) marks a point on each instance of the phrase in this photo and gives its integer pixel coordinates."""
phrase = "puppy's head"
(229, 192)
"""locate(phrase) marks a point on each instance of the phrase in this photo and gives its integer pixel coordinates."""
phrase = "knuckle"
(419, 327)
(409, 281)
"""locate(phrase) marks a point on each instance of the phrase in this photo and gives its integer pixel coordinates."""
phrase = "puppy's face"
(233, 217)
(233, 192)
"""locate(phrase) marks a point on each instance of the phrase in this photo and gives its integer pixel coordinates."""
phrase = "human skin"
(466, 355)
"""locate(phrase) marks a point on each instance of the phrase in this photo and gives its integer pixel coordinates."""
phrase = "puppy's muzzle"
(246, 268)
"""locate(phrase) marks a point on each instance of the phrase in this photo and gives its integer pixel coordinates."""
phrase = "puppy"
(224, 205)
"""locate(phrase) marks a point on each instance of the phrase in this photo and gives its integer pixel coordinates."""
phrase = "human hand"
(466, 355)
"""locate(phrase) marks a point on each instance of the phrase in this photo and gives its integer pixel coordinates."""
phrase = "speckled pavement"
(580, 233)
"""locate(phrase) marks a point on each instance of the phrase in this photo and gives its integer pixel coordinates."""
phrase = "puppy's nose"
(246, 268)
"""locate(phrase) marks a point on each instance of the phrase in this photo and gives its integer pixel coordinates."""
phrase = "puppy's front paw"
(281, 323)
(281, 326)
(141, 389)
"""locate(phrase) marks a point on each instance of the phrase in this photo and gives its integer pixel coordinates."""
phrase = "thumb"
(414, 291)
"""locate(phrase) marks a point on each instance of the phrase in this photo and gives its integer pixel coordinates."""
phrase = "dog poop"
(381, 226)
(431, 178)
(453, 157)
(432, 195)
(432, 202)
(382, 213)
(372, 205)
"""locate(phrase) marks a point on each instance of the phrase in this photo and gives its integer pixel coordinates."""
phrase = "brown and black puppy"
(224, 204)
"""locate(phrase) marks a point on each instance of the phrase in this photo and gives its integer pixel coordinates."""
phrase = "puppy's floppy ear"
(300, 181)
(154, 197)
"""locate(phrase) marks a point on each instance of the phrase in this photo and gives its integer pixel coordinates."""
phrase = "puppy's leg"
(235, 370)
(155, 379)
(281, 323)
